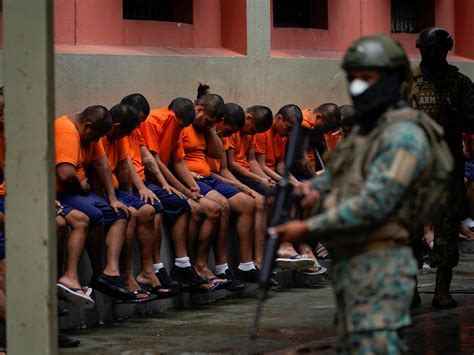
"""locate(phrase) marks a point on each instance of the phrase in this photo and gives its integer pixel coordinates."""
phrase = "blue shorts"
(66, 210)
(2, 236)
(173, 206)
(95, 207)
(208, 184)
(255, 185)
(130, 200)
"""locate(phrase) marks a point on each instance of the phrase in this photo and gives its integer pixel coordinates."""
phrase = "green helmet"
(377, 52)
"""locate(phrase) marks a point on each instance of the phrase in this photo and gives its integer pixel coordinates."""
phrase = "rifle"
(281, 213)
(285, 199)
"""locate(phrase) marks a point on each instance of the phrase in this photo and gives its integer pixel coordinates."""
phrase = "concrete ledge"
(106, 311)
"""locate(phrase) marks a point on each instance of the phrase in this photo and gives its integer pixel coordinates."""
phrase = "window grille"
(411, 16)
(159, 10)
(301, 13)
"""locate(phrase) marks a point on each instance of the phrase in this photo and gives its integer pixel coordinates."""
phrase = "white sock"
(220, 269)
(157, 267)
(247, 266)
(182, 262)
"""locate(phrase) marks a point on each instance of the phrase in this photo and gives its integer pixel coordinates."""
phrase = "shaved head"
(330, 112)
(291, 113)
(138, 102)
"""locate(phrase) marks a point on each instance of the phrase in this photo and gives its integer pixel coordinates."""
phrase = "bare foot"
(72, 284)
(148, 279)
(206, 272)
(132, 285)
(286, 250)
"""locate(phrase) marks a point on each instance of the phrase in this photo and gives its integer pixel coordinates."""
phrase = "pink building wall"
(362, 17)
(222, 24)
(464, 39)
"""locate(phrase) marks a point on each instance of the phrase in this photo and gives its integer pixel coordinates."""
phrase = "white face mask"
(358, 86)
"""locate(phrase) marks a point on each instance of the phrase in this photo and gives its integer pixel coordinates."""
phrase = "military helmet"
(377, 52)
(434, 37)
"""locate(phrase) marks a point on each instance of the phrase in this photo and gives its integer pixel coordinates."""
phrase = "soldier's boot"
(416, 300)
(442, 298)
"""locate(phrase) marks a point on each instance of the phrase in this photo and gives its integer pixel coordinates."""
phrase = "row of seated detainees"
(122, 172)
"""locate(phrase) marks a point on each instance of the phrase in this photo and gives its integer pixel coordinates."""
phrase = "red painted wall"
(234, 25)
(93, 22)
(464, 39)
(344, 26)
(349, 19)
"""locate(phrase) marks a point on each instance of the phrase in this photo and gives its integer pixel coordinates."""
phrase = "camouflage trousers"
(373, 292)
(446, 227)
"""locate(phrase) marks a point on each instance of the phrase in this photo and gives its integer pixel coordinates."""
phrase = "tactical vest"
(350, 164)
(426, 96)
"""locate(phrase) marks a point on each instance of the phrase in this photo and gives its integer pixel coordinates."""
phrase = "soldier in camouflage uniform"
(367, 215)
(438, 89)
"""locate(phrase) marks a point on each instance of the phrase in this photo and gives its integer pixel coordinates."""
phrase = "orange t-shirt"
(241, 144)
(272, 145)
(2, 162)
(162, 135)
(309, 124)
(69, 149)
(332, 139)
(135, 140)
(194, 145)
(116, 151)
(215, 164)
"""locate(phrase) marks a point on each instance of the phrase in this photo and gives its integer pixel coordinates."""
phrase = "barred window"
(411, 16)
(159, 10)
(301, 13)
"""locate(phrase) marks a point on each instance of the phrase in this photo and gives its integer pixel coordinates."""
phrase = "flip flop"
(314, 271)
(136, 300)
(220, 284)
(294, 262)
(199, 288)
(72, 295)
(112, 286)
(160, 291)
(322, 253)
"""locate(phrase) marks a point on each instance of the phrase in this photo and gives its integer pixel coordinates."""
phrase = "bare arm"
(255, 166)
(280, 168)
(66, 174)
(144, 192)
(214, 147)
(235, 167)
(123, 173)
(260, 158)
(152, 168)
(305, 167)
(137, 182)
(184, 174)
(102, 168)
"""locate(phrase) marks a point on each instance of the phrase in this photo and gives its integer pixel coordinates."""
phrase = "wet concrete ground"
(294, 320)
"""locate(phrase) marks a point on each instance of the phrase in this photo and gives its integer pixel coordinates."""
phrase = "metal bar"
(30, 215)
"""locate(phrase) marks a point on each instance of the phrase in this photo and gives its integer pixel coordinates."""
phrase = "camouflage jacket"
(400, 156)
(448, 97)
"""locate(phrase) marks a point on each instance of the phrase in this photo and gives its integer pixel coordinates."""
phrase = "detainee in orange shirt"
(270, 153)
(201, 140)
(142, 223)
(234, 121)
(78, 147)
(242, 164)
(162, 134)
(149, 181)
